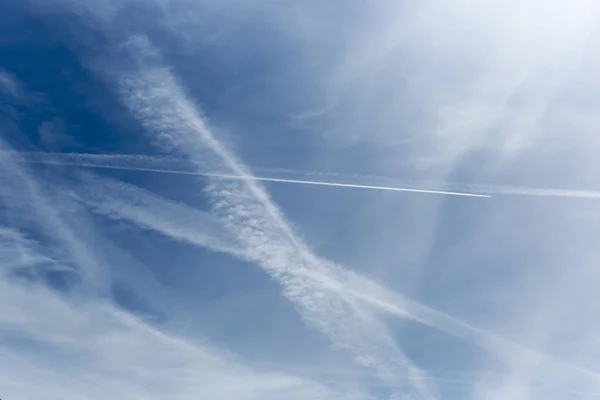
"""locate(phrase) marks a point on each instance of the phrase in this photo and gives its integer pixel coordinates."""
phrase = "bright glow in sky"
(261, 200)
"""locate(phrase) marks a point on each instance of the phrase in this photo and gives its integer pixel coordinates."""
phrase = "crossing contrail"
(261, 178)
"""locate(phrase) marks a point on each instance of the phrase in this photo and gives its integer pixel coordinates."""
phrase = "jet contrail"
(120, 200)
(164, 216)
(152, 163)
(264, 179)
(170, 118)
(400, 306)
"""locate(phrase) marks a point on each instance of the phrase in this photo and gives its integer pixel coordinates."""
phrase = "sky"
(261, 200)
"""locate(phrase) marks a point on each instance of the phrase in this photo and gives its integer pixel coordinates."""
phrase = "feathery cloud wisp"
(32, 203)
(90, 349)
(116, 199)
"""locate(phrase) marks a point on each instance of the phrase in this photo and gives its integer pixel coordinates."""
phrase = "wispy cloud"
(482, 84)
(9, 85)
(32, 203)
(56, 347)
(346, 284)
(119, 200)
(504, 349)
(59, 345)
(17, 251)
(154, 96)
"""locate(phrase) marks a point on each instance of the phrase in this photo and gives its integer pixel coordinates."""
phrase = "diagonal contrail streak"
(265, 179)
(170, 118)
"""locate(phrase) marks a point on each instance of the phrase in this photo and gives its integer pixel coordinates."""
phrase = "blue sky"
(301, 200)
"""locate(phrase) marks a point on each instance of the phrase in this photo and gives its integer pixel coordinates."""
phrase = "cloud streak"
(85, 348)
(154, 96)
(26, 198)
(170, 165)
(119, 200)
(350, 285)
(267, 179)
(9, 85)
(504, 349)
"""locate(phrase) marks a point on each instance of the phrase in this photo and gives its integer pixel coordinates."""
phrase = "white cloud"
(55, 347)
(116, 199)
(9, 84)
(484, 74)
(26, 198)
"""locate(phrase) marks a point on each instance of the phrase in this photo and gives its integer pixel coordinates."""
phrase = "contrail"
(395, 304)
(119, 200)
(161, 215)
(265, 179)
(538, 192)
(51, 220)
(157, 100)
(151, 163)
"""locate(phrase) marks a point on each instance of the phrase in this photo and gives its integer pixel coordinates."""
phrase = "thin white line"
(349, 185)
(265, 179)
(481, 190)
